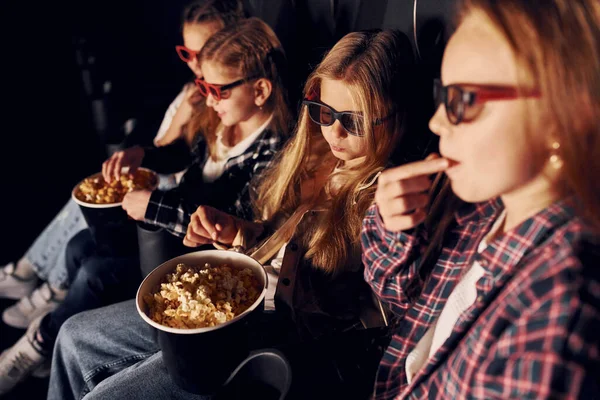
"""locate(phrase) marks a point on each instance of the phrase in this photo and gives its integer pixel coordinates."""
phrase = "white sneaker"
(40, 302)
(13, 287)
(19, 361)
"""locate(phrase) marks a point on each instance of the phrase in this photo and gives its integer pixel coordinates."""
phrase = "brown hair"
(557, 45)
(251, 48)
(374, 65)
(226, 12)
(204, 120)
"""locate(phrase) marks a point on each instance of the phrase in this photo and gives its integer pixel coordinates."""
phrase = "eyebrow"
(359, 113)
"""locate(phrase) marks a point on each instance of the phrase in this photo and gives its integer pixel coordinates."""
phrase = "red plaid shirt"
(532, 333)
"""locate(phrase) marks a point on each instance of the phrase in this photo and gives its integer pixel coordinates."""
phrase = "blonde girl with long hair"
(310, 205)
(241, 79)
(502, 300)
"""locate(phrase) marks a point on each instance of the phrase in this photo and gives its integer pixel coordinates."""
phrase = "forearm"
(391, 260)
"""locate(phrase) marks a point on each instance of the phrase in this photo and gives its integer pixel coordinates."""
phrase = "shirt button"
(285, 281)
(293, 246)
(480, 299)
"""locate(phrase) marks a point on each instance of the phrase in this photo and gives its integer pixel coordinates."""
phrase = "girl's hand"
(135, 203)
(209, 225)
(181, 117)
(131, 157)
(402, 192)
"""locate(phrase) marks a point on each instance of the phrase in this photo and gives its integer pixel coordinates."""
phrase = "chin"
(226, 122)
(343, 156)
(470, 194)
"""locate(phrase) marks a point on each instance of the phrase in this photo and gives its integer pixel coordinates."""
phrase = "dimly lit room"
(300, 199)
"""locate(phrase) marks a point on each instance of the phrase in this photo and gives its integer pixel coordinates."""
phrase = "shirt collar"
(242, 146)
(502, 254)
(471, 212)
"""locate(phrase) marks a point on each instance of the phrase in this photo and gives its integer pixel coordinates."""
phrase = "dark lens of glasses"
(216, 93)
(454, 104)
(184, 54)
(323, 115)
(320, 114)
(201, 87)
(353, 124)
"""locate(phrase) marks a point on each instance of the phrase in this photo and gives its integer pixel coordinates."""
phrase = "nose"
(337, 130)
(439, 123)
(211, 101)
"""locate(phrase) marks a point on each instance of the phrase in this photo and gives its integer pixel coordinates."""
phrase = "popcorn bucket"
(200, 360)
(112, 229)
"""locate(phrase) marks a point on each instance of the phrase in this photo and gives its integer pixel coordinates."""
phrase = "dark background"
(56, 57)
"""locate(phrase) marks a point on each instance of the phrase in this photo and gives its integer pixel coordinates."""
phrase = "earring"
(555, 159)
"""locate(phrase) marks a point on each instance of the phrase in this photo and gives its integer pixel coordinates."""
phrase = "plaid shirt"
(532, 333)
(230, 193)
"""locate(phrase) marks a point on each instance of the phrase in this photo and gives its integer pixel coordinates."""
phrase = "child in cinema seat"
(503, 299)
(318, 308)
(244, 143)
(46, 260)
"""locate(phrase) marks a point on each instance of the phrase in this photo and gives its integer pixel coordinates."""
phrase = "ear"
(262, 91)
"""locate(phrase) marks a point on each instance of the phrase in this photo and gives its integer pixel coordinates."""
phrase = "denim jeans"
(110, 353)
(96, 282)
(48, 253)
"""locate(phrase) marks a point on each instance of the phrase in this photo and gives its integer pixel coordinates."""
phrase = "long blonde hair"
(375, 66)
(251, 48)
(557, 45)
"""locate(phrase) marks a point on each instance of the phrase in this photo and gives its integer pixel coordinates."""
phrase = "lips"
(452, 166)
(338, 149)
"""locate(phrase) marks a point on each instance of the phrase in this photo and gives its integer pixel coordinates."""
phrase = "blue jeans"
(48, 253)
(96, 281)
(110, 353)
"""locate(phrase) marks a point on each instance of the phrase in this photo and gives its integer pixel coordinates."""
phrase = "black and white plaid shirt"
(230, 192)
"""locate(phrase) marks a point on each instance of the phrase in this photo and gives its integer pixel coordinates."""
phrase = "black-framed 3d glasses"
(325, 115)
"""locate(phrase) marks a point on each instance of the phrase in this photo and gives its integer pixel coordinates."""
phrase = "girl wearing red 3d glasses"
(497, 294)
(253, 127)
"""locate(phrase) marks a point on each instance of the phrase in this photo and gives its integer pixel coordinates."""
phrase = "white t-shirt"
(170, 113)
(213, 169)
(171, 180)
(462, 297)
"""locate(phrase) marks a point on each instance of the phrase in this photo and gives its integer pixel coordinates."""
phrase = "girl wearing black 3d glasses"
(311, 203)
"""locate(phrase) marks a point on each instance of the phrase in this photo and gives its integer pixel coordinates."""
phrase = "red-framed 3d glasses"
(220, 92)
(186, 54)
(465, 101)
